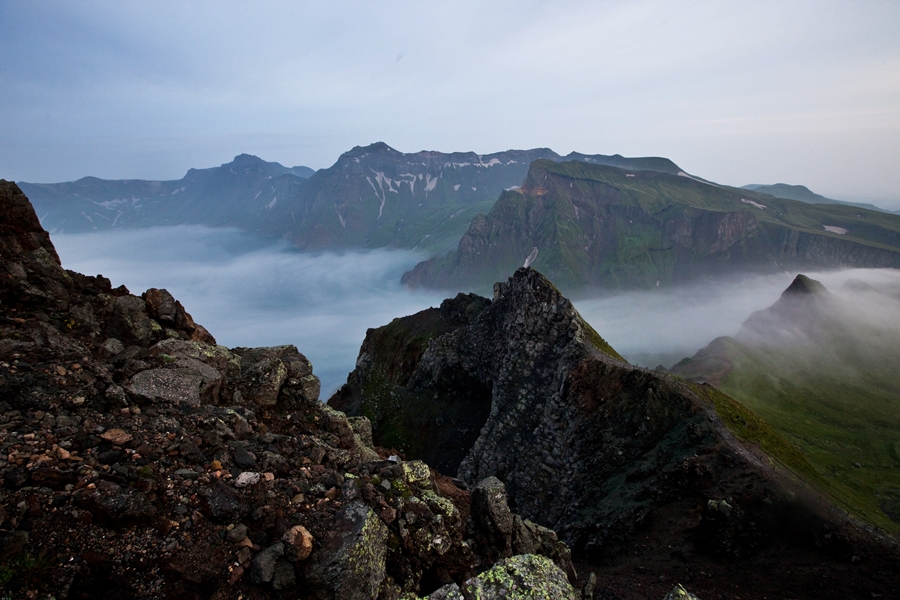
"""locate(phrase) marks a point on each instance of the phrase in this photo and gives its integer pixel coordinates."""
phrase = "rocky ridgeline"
(139, 459)
(618, 460)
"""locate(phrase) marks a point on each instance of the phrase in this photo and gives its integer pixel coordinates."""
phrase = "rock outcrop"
(615, 459)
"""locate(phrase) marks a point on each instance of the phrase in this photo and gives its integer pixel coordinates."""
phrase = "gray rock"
(350, 563)
(262, 382)
(237, 533)
(222, 504)
(491, 514)
(262, 570)
(167, 385)
(285, 576)
(111, 347)
(130, 323)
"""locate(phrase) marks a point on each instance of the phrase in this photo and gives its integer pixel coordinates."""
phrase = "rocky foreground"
(141, 460)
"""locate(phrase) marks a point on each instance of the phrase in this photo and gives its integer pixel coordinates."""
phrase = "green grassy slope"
(829, 385)
(603, 227)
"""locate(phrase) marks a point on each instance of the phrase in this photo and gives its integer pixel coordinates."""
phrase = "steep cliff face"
(138, 459)
(601, 227)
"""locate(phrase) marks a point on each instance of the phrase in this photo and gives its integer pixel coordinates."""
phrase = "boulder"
(523, 577)
(177, 386)
(493, 519)
(351, 561)
(262, 382)
(679, 593)
(130, 322)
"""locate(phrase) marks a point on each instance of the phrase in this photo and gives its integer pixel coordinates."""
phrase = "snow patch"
(272, 203)
(835, 229)
(257, 194)
(683, 174)
(430, 182)
(340, 218)
(456, 188)
(752, 203)
(531, 257)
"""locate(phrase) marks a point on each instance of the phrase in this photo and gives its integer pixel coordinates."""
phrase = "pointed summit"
(804, 285)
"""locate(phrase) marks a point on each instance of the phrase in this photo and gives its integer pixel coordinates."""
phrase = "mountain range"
(597, 228)
(591, 222)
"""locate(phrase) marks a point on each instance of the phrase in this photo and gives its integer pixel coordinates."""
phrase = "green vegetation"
(845, 421)
(603, 227)
(823, 373)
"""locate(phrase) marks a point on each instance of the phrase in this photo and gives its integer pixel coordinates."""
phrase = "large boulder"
(176, 386)
(523, 577)
(351, 561)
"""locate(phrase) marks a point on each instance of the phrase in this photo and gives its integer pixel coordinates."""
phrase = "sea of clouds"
(252, 291)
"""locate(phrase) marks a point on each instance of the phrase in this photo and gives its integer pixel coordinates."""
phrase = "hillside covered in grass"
(821, 368)
(592, 227)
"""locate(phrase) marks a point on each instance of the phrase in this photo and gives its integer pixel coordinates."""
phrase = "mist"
(656, 327)
(251, 291)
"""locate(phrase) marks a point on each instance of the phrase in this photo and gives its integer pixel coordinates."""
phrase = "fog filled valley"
(255, 291)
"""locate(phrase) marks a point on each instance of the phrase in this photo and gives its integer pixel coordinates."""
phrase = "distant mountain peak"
(804, 285)
(246, 159)
(376, 148)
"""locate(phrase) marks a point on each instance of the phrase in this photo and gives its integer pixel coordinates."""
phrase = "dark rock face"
(601, 452)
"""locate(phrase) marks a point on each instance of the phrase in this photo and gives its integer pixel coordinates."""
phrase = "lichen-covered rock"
(520, 577)
(351, 561)
(679, 593)
(492, 516)
(131, 323)
(167, 385)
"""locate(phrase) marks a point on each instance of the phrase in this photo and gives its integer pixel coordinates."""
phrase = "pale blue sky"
(750, 92)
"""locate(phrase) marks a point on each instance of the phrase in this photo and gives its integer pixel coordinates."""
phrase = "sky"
(801, 92)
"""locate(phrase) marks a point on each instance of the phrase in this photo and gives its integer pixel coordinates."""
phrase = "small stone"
(117, 436)
(243, 458)
(237, 534)
(246, 479)
(263, 568)
(298, 543)
(215, 466)
(269, 476)
(61, 371)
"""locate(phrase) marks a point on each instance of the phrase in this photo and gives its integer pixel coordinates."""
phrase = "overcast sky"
(750, 92)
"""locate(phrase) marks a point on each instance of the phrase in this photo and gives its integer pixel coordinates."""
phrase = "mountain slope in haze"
(372, 197)
(802, 193)
(631, 467)
(821, 367)
(591, 226)
(224, 195)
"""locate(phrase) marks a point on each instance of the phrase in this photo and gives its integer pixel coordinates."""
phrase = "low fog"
(663, 326)
(250, 291)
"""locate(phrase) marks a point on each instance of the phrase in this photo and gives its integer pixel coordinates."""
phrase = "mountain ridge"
(602, 228)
